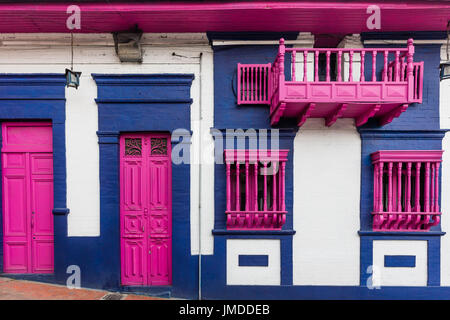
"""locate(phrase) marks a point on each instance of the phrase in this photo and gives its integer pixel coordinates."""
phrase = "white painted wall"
(444, 115)
(94, 53)
(254, 275)
(445, 203)
(400, 276)
(327, 169)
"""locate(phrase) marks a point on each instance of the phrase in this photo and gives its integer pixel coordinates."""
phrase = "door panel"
(15, 255)
(42, 204)
(159, 262)
(133, 264)
(27, 198)
(145, 208)
(15, 207)
(42, 255)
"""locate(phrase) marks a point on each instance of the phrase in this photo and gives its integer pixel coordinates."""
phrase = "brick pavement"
(13, 289)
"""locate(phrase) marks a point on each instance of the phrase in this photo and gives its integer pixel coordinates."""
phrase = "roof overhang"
(306, 16)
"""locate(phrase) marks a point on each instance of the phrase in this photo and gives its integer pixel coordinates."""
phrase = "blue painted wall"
(418, 128)
(228, 115)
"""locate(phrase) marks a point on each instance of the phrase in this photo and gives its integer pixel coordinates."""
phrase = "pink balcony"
(327, 91)
(406, 190)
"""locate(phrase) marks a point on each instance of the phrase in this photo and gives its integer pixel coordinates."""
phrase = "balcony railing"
(334, 83)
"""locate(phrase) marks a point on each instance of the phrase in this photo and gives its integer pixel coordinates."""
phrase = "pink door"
(27, 197)
(146, 209)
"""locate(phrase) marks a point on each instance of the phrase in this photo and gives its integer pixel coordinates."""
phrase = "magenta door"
(27, 197)
(146, 209)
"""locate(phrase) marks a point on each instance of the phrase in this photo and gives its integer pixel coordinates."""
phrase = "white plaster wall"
(444, 114)
(445, 205)
(245, 275)
(444, 103)
(94, 53)
(327, 164)
(400, 276)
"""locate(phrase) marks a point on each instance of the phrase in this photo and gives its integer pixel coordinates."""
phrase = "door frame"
(41, 97)
(31, 150)
(163, 106)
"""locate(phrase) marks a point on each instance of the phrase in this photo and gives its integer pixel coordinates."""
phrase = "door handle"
(32, 220)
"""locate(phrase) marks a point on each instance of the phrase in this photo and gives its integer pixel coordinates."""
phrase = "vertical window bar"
(390, 192)
(256, 186)
(427, 187)
(228, 187)
(432, 193)
(248, 76)
(238, 196)
(375, 188)
(399, 187)
(274, 182)
(283, 206)
(408, 186)
(417, 193)
(247, 195)
(380, 186)
(252, 93)
(265, 187)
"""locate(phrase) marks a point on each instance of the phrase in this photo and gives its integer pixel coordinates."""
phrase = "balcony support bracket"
(387, 118)
(305, 114)
(332, 118)
(362, 119)
(277, 113)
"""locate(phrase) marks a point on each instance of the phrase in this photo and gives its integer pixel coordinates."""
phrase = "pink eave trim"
(342, 17)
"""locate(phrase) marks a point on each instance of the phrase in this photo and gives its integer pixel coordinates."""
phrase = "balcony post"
(305, 65)
(410, 69)
(281, 53)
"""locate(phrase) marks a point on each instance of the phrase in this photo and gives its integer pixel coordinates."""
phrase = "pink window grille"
(253, 83)
(255, 189)
(406, 190)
